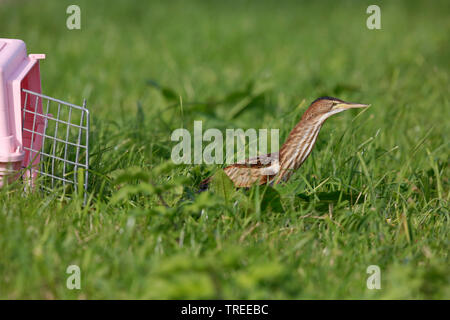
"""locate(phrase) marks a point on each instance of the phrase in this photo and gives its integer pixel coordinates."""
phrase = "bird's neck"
(300, 142)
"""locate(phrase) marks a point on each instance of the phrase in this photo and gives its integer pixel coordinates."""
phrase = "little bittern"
(279, 166)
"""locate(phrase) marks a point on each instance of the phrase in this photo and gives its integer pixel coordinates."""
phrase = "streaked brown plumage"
(276, 167)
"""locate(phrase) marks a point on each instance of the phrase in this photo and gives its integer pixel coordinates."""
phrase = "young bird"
(279, 166)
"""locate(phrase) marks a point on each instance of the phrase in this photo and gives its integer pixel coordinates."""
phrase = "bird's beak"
(349, 105)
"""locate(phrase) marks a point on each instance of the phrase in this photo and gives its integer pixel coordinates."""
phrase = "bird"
(279, 166)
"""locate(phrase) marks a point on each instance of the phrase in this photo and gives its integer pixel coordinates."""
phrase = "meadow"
(374, 191)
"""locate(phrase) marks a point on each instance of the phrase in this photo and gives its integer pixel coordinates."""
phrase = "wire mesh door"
(55, 138)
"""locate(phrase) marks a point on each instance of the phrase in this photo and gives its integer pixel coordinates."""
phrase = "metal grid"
(64, 154)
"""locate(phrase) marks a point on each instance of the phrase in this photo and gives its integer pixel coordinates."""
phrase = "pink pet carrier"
(41, 138)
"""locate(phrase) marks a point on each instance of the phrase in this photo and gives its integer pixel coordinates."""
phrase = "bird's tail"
(204, 185)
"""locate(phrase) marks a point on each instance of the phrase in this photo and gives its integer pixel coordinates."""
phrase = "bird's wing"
(254, 170)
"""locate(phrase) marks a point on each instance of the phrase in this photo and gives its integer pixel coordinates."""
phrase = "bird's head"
(325, 107)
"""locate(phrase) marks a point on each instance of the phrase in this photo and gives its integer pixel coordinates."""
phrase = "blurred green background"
(147, 68)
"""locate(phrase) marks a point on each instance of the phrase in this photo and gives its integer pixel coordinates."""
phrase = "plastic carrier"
(42, 139)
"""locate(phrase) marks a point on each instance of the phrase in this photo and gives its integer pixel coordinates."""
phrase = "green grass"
(375, 190)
